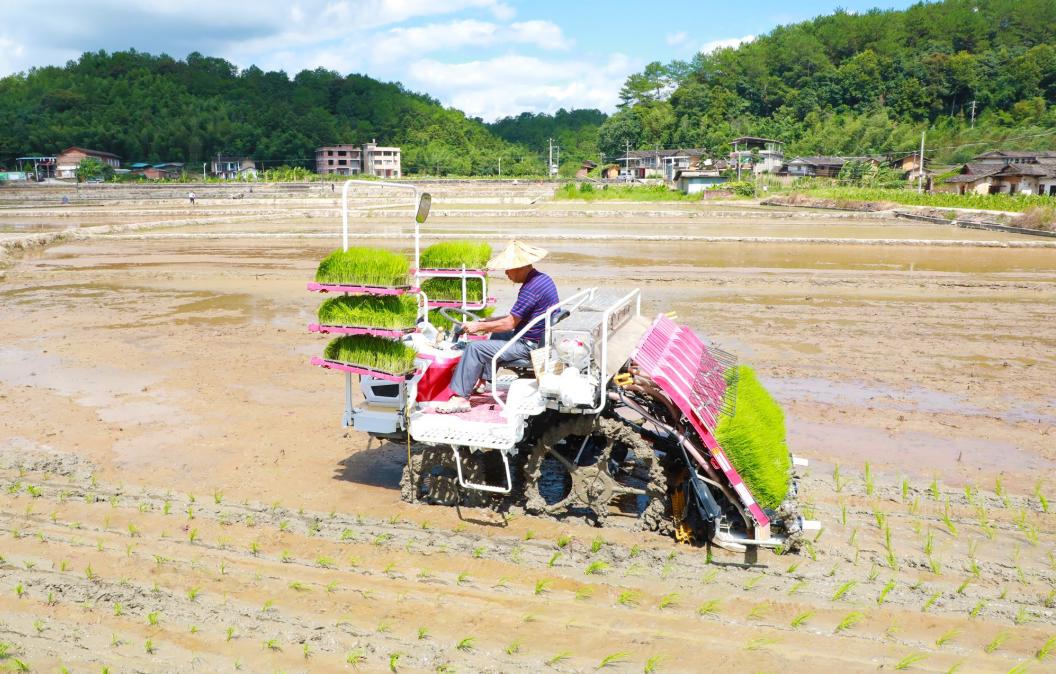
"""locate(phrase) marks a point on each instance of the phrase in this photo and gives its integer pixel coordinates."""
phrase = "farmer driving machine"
(615, 415)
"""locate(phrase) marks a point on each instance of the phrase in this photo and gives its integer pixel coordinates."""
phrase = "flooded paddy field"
(177, 487)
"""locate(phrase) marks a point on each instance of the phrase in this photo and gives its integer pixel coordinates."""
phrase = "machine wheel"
(435, 479)
(617, 464)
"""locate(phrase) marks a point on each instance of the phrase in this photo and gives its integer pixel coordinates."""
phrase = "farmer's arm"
(491, 325)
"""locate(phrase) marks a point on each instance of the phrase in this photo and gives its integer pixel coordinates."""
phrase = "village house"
(234, 168)
(823, 167)
(700, 176)
(585, 168)
(68, 160)
(350, 160)
(1008, 172)
(760, 155)
(164, 171)
(663, 164)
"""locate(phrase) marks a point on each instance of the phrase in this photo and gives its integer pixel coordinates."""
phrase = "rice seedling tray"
(443, 273)
(358, 369)
(392, 333)
(360, 290)
(457, 304)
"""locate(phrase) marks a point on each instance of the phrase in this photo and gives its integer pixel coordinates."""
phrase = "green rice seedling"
(977, 609)
(797, 586)
(166, 508)
(372, 352)
(272, 645)
(392, 312)
(948, 520)
(513, 649)
(149, 647)
(455, 254)
(997, 641)
(553, 560)
(383, 627)
(760, 643)
(793, 567)
(817, 536)
(843, 514)
(584, 593)
(629, 598)
(849, 621)
(558, 658)
(613, 659)
(669, 600)
(356, 658)
(983, 518)
(1023, 616)
(929, 544)
(478, 552)
(904, 487)
(364, 266)
(970, 493)
(153, 618)
(298, 586)
(935, 565)
(1042, 501)
(462, 578)
(837, 479)
(89, 573)
(870, 487)
(465, 645)
(843, 590)
(758, 612)
(563, 540)
(801, 619)
(909, 661)
(542, 586)
(596, 568)
(596, 545)
(709, 576)
(1047, 649)
(930, 601)
(874, 573)
(285, 557)
(934, 490)
(325, 562)
(914, 507)
(753, 581)
(381, 539)
(193, 593)
(964, 584)
(635, 551)
(229, 634)
(946, 637)
(754, 438)
(190, 512)
(193, 535)
(20, 590)
(853, 537)
(652, 665)
(710, 608)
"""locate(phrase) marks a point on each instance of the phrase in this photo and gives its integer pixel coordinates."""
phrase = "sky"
(488, 58)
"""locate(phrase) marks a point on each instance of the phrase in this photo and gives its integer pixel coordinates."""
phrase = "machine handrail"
(604, 366)
(582, 296)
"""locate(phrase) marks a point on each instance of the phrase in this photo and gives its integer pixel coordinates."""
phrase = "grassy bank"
(993, 202)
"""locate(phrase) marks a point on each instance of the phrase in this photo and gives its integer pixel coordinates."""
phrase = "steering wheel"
(450, 312)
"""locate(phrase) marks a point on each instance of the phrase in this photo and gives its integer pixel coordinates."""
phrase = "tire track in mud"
(93, 562)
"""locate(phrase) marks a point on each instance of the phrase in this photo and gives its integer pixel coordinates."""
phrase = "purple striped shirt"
(536, 296)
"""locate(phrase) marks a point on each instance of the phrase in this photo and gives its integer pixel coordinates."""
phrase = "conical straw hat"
(517, 254)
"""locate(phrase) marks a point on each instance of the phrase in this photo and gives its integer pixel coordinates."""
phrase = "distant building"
(234, 168)
(826, 167)
(42, 167)
(350, 160)
(759, 155)
(1018, 177)
(692, 181)
(585, 168)
(68, 160)
(164, 171)
(658, 163)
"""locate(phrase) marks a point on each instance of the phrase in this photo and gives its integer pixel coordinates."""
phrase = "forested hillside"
(574, 132)
(861, 83)
(157, 108)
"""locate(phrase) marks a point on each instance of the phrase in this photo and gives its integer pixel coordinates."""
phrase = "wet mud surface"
(166, 449)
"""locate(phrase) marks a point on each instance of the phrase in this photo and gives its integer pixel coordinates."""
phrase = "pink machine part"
(683, 367)
(435, 384)
(457, 273)
(349, 330)
(355, 369)
(358, 290)
(457, 304)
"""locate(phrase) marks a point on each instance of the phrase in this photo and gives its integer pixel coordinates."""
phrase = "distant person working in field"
(537, 294)
(190, 197)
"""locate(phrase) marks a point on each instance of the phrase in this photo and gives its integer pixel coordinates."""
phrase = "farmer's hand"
(471, 327)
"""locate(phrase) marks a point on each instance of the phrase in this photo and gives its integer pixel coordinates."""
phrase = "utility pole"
(920, 174)
(550, 159)
(203, 171)
(500, 165)
(973, 114)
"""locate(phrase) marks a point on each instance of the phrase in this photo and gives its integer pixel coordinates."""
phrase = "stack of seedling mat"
(751, 431)
(377, 307)
(446, 265)
(454, 274)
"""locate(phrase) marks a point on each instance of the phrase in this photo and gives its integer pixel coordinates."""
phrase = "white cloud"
(512, 83)
(402, 42)
(675, 39)
(709, 47)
